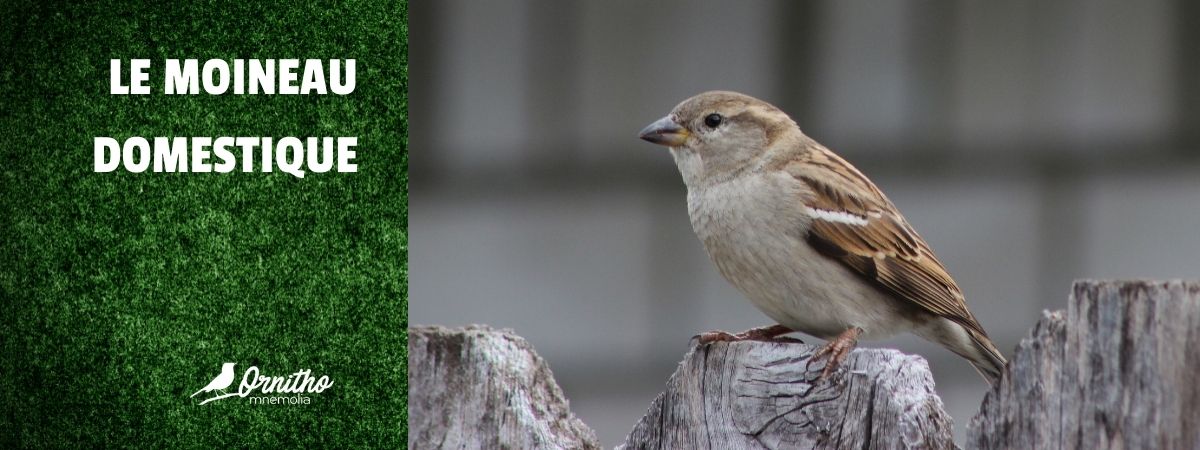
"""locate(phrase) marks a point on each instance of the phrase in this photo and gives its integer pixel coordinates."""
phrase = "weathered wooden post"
(482, 388)
(755, 395)
(478, 387)
(1120, 369)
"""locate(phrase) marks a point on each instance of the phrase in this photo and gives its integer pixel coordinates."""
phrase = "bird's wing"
(855, 224)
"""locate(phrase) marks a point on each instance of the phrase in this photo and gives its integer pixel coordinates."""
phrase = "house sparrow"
(807, 238)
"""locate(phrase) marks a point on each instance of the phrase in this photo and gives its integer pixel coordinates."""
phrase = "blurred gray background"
(1030, 143)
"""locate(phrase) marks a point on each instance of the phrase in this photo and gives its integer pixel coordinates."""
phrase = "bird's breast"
(747, 213)
(753, 235)
(754, 230)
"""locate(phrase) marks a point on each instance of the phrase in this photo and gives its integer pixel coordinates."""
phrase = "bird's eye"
(713, 120)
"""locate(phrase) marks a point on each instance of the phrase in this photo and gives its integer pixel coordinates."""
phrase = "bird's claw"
(837, 350)
(709, 337)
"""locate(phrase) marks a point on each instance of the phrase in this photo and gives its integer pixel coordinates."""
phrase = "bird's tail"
(970, 343)
(987, 359)
(197, 393)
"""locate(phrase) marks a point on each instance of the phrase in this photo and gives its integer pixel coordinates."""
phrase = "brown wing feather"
(885, 250)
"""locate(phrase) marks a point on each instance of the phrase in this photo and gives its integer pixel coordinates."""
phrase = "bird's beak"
(666, 132)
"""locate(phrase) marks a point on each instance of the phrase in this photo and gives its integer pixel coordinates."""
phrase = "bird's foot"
(771, 333)
(837, 350)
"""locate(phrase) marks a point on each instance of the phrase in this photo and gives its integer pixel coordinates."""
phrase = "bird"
(807, 238)
(221, 382)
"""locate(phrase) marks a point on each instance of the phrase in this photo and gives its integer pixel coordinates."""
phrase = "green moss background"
(123, 293)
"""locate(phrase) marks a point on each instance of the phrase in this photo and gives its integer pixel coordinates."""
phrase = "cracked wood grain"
(478, 387)
(1118, 369)
(759, 395)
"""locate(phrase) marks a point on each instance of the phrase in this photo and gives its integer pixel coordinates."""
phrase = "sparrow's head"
(718, 134)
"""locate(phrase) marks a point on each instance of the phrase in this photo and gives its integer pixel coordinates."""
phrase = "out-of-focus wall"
(1030, 143)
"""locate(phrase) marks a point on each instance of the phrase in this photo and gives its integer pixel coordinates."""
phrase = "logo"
(298, 385)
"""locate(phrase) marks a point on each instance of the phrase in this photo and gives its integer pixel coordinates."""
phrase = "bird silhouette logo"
(220, 383)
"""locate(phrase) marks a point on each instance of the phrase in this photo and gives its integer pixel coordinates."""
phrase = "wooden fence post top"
(763, 395)
(1117, 369)
(478, 387)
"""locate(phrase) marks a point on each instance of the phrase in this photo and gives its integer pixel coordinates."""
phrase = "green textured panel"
(123, 293)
